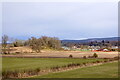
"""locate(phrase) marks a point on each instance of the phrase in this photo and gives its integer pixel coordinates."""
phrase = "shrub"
(84, 63)
(95, 55)
(98, 61)
(91, 56)
(84, 57)
(70, 56)
(116, 58)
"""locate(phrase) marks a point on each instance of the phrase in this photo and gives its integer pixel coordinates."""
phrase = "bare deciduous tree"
(4, 43)
(44, 42)
(35, 44)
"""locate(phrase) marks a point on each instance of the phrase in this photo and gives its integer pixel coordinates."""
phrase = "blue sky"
(65, 20)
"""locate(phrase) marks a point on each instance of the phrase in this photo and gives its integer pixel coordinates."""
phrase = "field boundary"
(38, 72)
(76, 67)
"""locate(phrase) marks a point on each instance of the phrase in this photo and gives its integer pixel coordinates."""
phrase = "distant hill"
(92, 39)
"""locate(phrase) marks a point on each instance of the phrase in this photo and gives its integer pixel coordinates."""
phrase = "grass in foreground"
(12, 64)
(108, 70)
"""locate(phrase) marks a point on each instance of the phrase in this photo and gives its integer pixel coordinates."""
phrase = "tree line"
(36, 44)
(101, 44)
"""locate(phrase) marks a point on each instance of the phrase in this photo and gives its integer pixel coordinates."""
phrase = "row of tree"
(35, 44)
(101, 44)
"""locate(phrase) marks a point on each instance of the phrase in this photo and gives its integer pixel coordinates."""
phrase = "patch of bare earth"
(62, 54)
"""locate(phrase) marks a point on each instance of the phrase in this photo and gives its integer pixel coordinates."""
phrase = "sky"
(65, 20)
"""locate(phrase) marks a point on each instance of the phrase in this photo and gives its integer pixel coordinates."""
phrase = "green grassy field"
(108, 70)
(12, 64)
